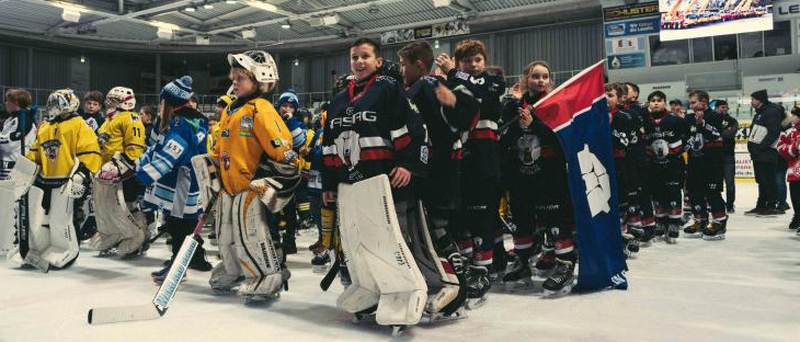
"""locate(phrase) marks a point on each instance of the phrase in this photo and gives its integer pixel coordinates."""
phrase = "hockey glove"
(117, 169)
(78, 181)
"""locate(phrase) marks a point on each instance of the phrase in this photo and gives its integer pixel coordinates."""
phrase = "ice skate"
(321, 262)
(545, 264)
(398, 330)
(560, 283)
(694, 231)
(518, 274)
(714, 232)
(648, 233)
(261, 300)
(160, 275)
(630, 246)
(795, 222)
(461, 313)
(107, 253)
(658, 233)
(673, 230)
(477, 285)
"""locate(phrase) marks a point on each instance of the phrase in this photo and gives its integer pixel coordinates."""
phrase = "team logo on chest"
(348, 148)
(51, 149)
(530, 149)
(246, 122)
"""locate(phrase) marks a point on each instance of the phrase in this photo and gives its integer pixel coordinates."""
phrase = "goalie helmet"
(61, 102)
(120, 98)
(258, 62)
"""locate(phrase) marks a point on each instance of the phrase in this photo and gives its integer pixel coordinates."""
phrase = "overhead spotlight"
(71, 15)
(230, 2)
(164, 33)
(83, 59)
(296, 62)
(441, 3)
(249, 33)
(287, 25)
(373, 8)
(207, 5)
(190, 9)
(202, 40)
(330, 19)
(436, 44)
(261, 5)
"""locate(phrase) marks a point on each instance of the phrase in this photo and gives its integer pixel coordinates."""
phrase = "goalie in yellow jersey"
(121, 225)
(67, 154)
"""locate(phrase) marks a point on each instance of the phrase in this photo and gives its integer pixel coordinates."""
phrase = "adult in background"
(147, 113)
(676, 107)
(761, 144)
(729, 128)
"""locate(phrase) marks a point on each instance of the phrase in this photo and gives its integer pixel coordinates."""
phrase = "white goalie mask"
(120, 98)
(61, 102)
(258, 62)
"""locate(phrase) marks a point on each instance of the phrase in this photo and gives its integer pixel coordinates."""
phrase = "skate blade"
(222, 291)
(645, 244)
(398, 330)
(475, 303)
(670, 241)
(261, 300)
(692, 235)
(363, 317)
(549, 294)
(519, 285)
(131, 256)
(106, 254)
(437, 317)
(544, 274)
(319, 269)
(717, 237)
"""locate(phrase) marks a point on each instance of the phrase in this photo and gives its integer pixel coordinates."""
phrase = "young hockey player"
(167, 171)
(93, 110)
(120, 223)
(371, 133)
(539, 197)
(704, 174)
(252, 154)
(641, 202)
(481, 165)
(448, 115)
(624, 132)
(18, 128)
(287, 106)
(789, 148)
(665, 136)
(68, 155)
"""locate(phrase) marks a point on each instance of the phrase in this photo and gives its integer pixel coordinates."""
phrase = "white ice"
(745, 288)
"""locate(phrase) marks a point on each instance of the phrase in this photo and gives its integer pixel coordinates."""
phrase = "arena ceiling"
(213, 25)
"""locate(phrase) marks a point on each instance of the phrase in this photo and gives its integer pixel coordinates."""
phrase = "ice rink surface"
(745, 288)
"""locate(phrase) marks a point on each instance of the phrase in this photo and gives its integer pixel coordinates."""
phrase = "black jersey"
(625, 133)
(705, 140)
(369, 130)
(665, 138)
(531, 151)
(481, 158)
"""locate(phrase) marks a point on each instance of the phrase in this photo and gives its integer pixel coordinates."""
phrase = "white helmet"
(120, 98)
(61, 102)
(260, 63)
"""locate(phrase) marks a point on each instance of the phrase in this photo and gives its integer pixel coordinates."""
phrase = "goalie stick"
(166, 291)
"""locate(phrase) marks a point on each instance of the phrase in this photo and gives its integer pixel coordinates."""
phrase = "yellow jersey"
(57, 144)
(212, 136)
(245, 135)
(123, 132)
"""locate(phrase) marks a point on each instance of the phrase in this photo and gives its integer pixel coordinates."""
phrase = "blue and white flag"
(578, 113)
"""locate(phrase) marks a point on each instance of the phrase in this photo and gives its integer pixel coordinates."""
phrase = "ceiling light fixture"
(296, 62)
(164, 33)
(208, 6)
(261, 5)
(83, 59)
(441, 3)
(190, 9)
(249, 33)
(202, 40)
(166, 26)
(230, 2)
(287, 25)
(71, 15)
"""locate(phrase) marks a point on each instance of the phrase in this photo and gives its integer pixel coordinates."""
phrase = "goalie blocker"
(390, 257)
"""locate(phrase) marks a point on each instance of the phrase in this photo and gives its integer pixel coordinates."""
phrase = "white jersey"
(10, 143)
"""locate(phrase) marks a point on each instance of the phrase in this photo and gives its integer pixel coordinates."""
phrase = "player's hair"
(616, 87)
(149, 110)
(468, 48)
(95, 96)
(418, 50)
(722, 103)
(362, 41)
(633, 86)
(702, 96)
(523, 82)
(658, 93)
(20, 97)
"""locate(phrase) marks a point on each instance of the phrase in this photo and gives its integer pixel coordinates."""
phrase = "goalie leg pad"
(116, 225)
(225, 273)
(7, 218)
(377, 254)
(52, 235)
(256, 252)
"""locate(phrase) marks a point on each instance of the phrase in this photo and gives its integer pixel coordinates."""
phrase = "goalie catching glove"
(79, 179)
(117, 169)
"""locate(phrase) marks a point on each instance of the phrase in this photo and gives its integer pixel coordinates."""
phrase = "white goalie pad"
(260, 261)
(12, 188)
(52, 236)
(207, 178)
(116, 225)
(381, 266)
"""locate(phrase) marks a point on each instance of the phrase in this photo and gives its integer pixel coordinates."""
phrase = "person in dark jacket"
(729, 128)
(761, 144)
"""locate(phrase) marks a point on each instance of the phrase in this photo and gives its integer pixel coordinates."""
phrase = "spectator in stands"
(729, 128)
(92, 111)
(766, 127)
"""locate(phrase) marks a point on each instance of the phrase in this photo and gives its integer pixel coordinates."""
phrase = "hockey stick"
(328, 279)
(166, 291)
(23, 229)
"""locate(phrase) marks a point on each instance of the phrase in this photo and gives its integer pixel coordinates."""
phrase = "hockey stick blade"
(115, 314)
(328, 279)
